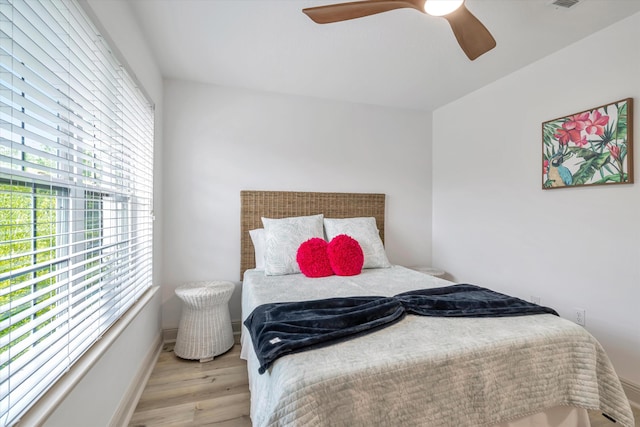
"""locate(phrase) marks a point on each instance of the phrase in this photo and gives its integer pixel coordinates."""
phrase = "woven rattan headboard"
(280, 204)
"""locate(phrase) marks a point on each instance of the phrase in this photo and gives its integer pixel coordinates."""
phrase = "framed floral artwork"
(593, 147)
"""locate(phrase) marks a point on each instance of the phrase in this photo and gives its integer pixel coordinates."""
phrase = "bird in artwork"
(559, 175)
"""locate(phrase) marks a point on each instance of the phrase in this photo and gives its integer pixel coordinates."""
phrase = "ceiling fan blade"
(358, 9)
(472, 36)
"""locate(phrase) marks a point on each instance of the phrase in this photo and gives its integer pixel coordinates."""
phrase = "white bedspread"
(426, 370)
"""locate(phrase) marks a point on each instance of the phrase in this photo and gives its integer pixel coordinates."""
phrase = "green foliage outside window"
(28, 226)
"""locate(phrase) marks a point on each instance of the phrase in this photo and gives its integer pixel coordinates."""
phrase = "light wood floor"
(189, 393)
(184, 393)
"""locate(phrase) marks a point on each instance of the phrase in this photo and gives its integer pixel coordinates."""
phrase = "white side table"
(431, 271)
(205, 325)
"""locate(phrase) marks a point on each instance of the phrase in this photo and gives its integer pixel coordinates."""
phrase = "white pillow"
(257, 237)
(365, 231)
(283, 237)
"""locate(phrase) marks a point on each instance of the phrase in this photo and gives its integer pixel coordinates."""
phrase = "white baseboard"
(633, 392)
(170, 335)
(130, 398)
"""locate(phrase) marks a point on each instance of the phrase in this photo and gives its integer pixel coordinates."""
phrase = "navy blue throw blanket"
(279, 329)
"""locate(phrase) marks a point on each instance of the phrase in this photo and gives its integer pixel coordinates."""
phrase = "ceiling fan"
(473, 37)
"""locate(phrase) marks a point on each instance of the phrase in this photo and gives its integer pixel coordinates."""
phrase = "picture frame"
(592, 147)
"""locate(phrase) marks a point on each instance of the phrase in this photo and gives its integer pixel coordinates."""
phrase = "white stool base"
(205, 325)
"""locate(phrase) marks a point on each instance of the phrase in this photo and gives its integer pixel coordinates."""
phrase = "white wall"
(96, 399)
(219, 141)
(493, 225)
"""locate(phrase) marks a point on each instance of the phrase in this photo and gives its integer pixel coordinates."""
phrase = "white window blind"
(76, 173)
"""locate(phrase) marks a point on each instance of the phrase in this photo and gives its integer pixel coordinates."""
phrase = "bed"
(537, 370)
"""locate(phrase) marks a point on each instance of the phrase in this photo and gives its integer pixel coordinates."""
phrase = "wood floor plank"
(232, 409)
(169, 364)
(180, 391)
(179, 415)
(226, 410)
(176, 393)
(193, 376)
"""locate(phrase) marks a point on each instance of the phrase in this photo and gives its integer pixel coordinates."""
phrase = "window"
(76, 173)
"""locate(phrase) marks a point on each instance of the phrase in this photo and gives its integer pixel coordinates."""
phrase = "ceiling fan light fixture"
(472, 36)
(441, 7)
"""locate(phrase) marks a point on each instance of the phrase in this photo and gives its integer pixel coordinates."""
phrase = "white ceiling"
(400, 58)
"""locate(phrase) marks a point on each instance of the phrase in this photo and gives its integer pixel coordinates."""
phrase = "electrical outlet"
(535, 300)
(579, 316)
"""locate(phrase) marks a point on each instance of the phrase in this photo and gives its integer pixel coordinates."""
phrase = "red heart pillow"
(345, 255)
(313, 259)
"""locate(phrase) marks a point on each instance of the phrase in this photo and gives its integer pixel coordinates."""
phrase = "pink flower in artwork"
(582, 142)
(577, 122)
(564, 136)
(597, 123)
(614, 150)
(545, 167)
